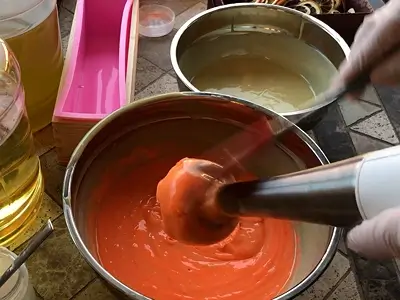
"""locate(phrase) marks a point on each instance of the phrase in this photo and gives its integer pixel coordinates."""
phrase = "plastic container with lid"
(18, 286)
(31, 28)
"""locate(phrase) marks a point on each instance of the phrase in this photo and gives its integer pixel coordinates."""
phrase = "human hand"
(378, 34)
(379, 237)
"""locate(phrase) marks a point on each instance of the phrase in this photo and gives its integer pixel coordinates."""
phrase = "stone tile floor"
(59, 272)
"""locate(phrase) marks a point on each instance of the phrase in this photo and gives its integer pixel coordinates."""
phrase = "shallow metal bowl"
(144, 124)
(246, 17)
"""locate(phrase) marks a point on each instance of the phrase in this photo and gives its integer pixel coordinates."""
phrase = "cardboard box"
(345, 24)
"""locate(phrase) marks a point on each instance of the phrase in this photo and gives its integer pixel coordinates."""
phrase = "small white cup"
(18, 286)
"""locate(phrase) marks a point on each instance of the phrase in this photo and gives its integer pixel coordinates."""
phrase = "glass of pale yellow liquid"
(21, 182)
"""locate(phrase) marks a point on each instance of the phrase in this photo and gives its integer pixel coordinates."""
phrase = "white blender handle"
(378, 182)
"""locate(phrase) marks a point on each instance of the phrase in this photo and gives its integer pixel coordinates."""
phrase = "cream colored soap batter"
(255, 79)
(277, 71)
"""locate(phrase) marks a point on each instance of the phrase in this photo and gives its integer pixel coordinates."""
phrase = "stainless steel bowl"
(148, 121)
(246, 17)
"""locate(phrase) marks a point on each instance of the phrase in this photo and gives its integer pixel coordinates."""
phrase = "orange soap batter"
(186, 196)
(255, 262)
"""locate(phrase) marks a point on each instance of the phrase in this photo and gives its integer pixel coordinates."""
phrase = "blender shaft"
(323, 195)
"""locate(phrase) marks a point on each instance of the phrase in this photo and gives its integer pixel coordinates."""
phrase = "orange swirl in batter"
(255, 262)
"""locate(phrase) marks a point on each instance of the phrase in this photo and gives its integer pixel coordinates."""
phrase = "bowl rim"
(329, 30)
(179, 96)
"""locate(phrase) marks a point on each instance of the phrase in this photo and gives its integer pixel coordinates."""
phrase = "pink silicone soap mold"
(93, 83)
(94, 76)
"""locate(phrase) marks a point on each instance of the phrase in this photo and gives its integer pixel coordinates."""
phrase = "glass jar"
(18, 286)
(21, 182)
(31, 28)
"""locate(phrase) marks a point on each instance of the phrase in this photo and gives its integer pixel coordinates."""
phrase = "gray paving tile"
(377, 126)
(53, 175)
(364, 144)
(66, 18)
(188, 14)
(96, 290)
(178, 6)
(69, 4)
(347, 289)
(57, 269)
(342, 245)
(64, 44)
(165, 84)
(353, 110)
(312, 135)
(333, 136)
(146, 72)
(339, 266)
(172, 73)
(371, 96)
(156, 50)
(44, 140)
(377, 279)
(390, 97)
(48, 210)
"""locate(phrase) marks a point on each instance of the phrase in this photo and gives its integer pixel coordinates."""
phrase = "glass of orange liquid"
(21, 182)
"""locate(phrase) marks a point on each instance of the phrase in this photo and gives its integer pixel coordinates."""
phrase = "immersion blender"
(340, 194)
